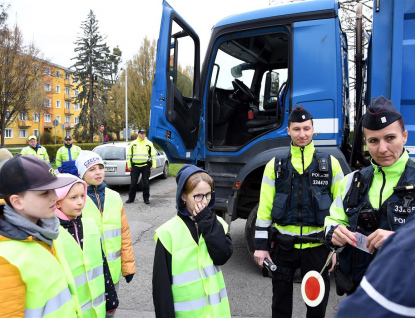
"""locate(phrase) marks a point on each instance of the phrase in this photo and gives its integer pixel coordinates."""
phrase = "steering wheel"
(243, 91)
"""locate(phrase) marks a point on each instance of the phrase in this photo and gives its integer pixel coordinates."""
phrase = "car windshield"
(111, 153)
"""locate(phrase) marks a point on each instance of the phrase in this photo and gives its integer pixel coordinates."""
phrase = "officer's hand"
(152, 169)
(260, 255)
(333, 262)
(129, 278)
(376, 239)
(341, 236)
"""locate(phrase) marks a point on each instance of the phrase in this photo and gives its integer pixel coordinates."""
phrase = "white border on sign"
(318, 300)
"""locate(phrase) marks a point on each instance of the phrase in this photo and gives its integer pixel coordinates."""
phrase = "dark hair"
(195, 179)
(289, 123)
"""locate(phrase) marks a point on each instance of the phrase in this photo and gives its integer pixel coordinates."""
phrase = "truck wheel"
(250, 232)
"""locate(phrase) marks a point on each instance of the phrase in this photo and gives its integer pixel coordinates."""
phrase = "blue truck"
(230, 115)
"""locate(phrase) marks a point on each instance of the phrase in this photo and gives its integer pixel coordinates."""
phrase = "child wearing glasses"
(190, 247)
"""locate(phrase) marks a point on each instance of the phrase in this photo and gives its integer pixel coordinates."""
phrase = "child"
(79, 239)
(105, 207)
(33, 280)
(195, 241)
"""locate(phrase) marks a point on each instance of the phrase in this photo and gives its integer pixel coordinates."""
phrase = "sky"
(54, 25)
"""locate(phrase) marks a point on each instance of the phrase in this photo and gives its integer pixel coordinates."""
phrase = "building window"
(68, 133)
(67, 119)
(58, 104)
(22, 133)
(8, 114)
(47, 87)
(36, 117)
(9, 133)
(46, 70)
(36, 132)
(76, 93)
(58, 89)
(58, 118)
(58, 74)
(76, 106)
(48, 118)
(67, 91)
(67, 105)
(48, 102)
(22, 116)
(76, 120)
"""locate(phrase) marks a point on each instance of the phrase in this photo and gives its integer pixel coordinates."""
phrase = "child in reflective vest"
(80, 242)
(191, 247)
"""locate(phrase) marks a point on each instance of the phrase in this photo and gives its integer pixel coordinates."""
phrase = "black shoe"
(129, 201)
(147, 201)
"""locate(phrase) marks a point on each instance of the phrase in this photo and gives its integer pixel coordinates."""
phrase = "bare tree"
(36, 100)
(20, 67)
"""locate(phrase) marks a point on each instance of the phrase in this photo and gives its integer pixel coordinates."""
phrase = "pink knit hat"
(62, 192)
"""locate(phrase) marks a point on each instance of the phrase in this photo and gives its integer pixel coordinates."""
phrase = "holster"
(344, 284)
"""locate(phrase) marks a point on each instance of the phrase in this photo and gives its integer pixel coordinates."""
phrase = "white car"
(115, 161)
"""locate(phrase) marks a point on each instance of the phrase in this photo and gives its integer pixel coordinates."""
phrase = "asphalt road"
(249, 293)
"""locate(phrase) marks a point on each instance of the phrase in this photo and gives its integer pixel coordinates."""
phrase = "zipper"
(383, 186)
(197, 231)
(300, 192)
(98, 200)
(76, 233)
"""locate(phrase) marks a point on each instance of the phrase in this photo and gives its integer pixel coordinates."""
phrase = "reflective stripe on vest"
(47, 293)
(86, 266)
(110, 227)
(198, 285)
(40, 153)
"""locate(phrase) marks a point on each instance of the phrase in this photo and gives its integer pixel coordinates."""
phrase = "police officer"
(374, 201)
(66, 156)
(141, 158)
(296, 193)
(34, 149)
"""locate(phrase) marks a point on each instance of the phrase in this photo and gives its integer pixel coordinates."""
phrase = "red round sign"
(102, 127)
(313, 288)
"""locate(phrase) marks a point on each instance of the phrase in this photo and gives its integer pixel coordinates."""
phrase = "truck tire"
(250, 233)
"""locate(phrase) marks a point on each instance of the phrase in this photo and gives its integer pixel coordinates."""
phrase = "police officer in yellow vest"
(296, 193)
(191, 247)
(34, 281)
(66, 156)
(34, 149)
(374, 201)
(141, 159)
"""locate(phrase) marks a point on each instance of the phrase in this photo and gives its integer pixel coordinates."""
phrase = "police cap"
(380, 114)
(299, 114)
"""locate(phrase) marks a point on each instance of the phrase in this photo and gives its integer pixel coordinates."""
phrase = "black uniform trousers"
(145, 175)
(307, 259)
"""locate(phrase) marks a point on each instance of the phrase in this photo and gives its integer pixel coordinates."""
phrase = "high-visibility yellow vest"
(110, 227)
(140, 152)
(86, 266)
(47, 290)
(40, 153)
(198, 286)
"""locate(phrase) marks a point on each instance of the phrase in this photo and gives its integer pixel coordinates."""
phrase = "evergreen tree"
(94, 69)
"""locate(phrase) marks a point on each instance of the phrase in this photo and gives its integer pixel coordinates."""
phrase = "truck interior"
(248, 89)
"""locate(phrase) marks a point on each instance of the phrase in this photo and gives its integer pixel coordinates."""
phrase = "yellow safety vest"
(198, 286)
(40, 153)
(86, 266)
(110, 228)
(141, 152)
(47, 290)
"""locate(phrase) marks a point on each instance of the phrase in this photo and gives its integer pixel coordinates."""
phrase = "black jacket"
(219, 246)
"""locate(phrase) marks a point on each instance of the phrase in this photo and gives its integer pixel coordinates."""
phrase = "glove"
(129, 278)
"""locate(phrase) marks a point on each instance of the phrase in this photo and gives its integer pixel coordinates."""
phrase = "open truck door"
(175, 99)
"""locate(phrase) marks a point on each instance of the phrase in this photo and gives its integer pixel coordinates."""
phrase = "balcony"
(47, 124)
(68, 111)
(25, 123)
(69, 125)
(68, 97)
(67, 82)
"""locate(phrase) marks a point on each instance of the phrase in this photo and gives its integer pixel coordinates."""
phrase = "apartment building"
(60, 95)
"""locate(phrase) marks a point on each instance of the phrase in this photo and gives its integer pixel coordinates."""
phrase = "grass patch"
(174, 168)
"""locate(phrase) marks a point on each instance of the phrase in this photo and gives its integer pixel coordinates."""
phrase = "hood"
(62, 192)
(184, 173)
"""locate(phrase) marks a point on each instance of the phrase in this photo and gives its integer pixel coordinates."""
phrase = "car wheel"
(165, 174)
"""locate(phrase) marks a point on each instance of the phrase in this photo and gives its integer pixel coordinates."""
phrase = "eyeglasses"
(199, 197)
